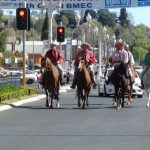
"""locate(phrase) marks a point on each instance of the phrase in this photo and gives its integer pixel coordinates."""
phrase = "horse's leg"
(57, 105)
(51, 98)
(119, 96)
(84, 98)
(115, 98)
(87, 98)
(123, 97)
(148, 96)
(47, 97)
(79, 98)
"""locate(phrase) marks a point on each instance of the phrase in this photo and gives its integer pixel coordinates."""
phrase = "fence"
(10, 80)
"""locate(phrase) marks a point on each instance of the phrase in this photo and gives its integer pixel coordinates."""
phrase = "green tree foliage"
(92, 13)
(67, 17)
(3, 35)
(123, 18)
(107, 18)
(140, 43)
(44, 34)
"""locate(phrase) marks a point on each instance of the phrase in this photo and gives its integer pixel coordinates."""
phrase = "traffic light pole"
(24, 59)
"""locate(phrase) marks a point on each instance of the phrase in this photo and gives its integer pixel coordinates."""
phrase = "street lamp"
(77, 18)
(34, 18)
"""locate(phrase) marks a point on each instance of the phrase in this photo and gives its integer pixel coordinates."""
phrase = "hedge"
(10, 92)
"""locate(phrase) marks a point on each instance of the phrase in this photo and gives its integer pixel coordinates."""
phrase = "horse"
(146, 83)
(84, 84)
(121, 84)
(51, 82)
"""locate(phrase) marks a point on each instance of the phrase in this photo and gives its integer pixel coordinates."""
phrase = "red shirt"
(85, 55)
(54, 55)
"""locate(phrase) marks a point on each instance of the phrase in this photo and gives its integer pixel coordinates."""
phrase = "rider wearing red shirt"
(89, 58)
(56, 58)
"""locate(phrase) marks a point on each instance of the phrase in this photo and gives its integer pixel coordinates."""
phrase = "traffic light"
(23, 18)
(60, 34)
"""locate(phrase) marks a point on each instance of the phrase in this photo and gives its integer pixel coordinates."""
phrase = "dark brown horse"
(51, 81)
(121, 84)
(84, 84)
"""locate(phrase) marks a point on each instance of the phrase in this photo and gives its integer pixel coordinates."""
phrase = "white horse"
(146, 82)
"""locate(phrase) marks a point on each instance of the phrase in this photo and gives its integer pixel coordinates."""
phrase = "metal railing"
(10, 80)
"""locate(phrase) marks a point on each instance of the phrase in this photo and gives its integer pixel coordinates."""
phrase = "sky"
(140, 14)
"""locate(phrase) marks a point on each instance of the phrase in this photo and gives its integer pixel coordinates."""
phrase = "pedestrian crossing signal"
(60, 34)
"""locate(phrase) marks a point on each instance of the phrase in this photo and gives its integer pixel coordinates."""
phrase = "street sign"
(117, 3)
(143, 2)
(73, 4)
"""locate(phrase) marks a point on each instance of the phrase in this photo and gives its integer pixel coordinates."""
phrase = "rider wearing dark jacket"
(146, 66)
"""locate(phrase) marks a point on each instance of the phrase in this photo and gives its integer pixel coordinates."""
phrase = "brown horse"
(51, 81)
(84, 84)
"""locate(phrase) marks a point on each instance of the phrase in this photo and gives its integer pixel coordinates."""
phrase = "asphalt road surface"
(99, 127)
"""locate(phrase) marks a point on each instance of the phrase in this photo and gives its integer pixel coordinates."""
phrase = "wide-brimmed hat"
(53, 44)
(119, 43)
(85, 46)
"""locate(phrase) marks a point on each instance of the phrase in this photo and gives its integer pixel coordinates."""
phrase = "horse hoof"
(79, 105)
(51, 107)
(114, 103)
(57, 105)
(47, 105)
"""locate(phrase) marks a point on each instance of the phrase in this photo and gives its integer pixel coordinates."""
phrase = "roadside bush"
(13, 92)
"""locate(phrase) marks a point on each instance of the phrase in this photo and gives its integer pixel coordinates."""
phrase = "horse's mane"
(85, 71)
(120, 69)
(49, 64)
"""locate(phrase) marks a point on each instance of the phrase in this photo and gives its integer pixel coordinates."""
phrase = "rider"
(130, 63)
(118, 56)
(89, 58)
(56, 58)
(146, 66)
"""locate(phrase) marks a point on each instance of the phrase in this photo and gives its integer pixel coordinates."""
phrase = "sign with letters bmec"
(73, 4)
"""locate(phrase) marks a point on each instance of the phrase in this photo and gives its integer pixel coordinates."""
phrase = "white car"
(107, 90)
(30, 76)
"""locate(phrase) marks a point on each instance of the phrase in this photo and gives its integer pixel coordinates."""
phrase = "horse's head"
(121, 69)
(81, 64)
(43, 62)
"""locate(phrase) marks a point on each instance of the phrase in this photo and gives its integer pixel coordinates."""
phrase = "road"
(99, 127)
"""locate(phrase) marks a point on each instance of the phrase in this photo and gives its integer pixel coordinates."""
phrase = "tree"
(92, 13)
(67, 17)
(107, 18)
(123, 18)
(3, 35)
(44, 34)
(140, 42)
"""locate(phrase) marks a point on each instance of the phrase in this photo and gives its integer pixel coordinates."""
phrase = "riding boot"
(73, 86)
(60, 76)
(92, 78)
(142, 85)
(41, 79)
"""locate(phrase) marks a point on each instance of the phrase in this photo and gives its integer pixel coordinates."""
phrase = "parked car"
(107, 90)
(138, 69)
(4, 72)
(30, 76)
